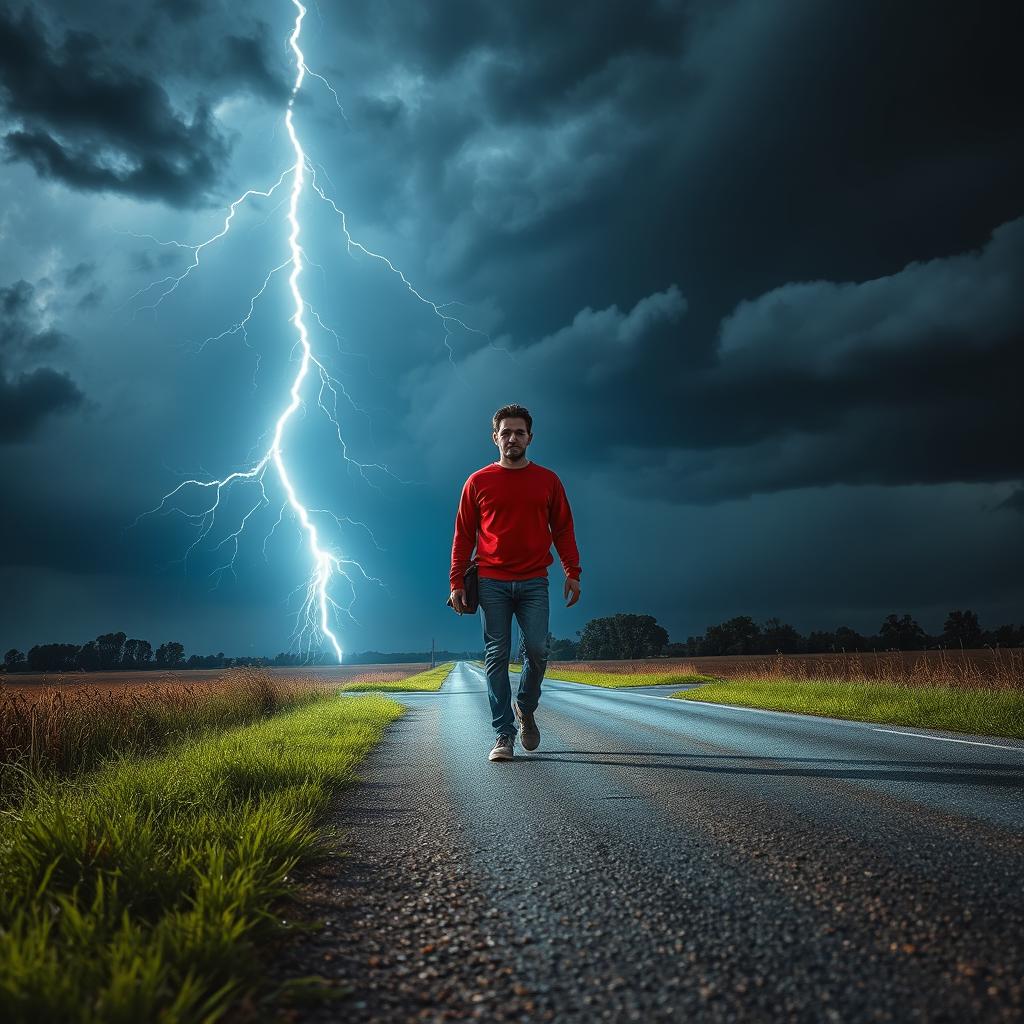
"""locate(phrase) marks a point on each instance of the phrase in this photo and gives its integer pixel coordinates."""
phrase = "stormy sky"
(757, 269)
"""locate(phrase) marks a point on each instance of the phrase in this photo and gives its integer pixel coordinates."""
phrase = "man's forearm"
(466, 522)
(459, 566)
(563, 535)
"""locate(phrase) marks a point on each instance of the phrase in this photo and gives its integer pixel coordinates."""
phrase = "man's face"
(512, 439)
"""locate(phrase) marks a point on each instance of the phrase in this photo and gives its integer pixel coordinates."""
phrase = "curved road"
(658, 859)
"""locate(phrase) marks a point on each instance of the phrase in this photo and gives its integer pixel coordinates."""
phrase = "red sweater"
(512, 516)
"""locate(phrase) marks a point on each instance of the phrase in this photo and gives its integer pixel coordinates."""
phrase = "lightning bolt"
(319, 607)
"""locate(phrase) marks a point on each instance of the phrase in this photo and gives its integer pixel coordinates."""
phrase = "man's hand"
(458, 602)
(573, 587)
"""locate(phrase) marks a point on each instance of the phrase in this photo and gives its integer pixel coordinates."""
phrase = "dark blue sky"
(756, 268)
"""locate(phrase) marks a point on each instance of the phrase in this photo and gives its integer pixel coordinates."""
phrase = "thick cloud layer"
(86, 118)
(755, 267)
(910, 378)
(724, 148)
(29, 393)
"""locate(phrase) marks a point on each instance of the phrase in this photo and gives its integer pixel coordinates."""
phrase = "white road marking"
(797, 714)
(708, 703)
(950, 739)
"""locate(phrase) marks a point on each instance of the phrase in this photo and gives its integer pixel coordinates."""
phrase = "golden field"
(985, 668)
(329, 673)
(69, 723)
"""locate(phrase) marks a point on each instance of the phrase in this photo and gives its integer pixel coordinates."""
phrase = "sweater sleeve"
(562, 532)
(467, 520)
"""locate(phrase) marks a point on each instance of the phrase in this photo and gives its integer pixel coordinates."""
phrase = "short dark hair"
(512, 412)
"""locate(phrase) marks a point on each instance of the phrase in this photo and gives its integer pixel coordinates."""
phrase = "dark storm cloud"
(30, 397)
(1015, 501)
(547, 58)
(741, 255)
(812, 179)
(243, 61)
(20, 330)
(28, 394)
(730, 148)
(96, 125)
(82, 275)
(549, 49)
(911, 378)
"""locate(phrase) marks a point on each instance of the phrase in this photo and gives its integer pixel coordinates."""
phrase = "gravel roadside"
(402, 927)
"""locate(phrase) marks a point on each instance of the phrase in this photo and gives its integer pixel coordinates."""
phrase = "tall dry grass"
(432, 679)
(47, 730)
(378, 676)
(991, 669)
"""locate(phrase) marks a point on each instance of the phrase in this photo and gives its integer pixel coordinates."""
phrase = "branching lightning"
(319, 604)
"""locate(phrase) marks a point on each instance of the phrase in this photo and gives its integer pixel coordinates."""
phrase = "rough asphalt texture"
(665, 860)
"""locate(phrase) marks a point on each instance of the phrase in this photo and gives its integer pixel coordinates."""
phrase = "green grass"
(57, 731)
(985, 712)
(429, 680)
(616, 679)
(138, 892)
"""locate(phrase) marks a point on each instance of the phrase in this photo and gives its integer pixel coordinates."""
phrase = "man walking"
(512, 511)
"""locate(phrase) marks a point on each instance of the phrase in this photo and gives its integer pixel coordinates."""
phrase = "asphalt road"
(666, 860)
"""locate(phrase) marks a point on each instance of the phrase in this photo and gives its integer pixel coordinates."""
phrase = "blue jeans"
(528, 601)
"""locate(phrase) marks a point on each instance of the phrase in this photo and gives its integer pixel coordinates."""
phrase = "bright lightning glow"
(318, 607)
(324, 563)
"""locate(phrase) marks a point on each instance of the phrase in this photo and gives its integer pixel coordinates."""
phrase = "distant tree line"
(630, 636)
(622, 636)
(113, 652)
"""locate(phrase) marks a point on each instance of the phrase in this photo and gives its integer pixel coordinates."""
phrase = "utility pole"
(431, 652)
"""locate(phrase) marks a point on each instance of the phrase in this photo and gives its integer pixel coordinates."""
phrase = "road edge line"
(950, 739)
(796, 714)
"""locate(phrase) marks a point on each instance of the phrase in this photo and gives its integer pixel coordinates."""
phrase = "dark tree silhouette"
(562, 650)
(110, 647)
(14, 660)
(170, 654)
(137, 654)
(780, 637)
(962, 630)
(88, 658)
(735, 636)
(52, 657)
(902, 633)
(623, 635)
(821, 641)
(850, 640)
(596, 640)
(1006, 636)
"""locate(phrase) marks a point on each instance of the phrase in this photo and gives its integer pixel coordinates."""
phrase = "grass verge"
(983, 712)
(616, 679)
(138, 892)
(66, 730)
(429, 680)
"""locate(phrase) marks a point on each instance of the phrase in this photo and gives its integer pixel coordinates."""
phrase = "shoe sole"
(498, 755)
(522, 737)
